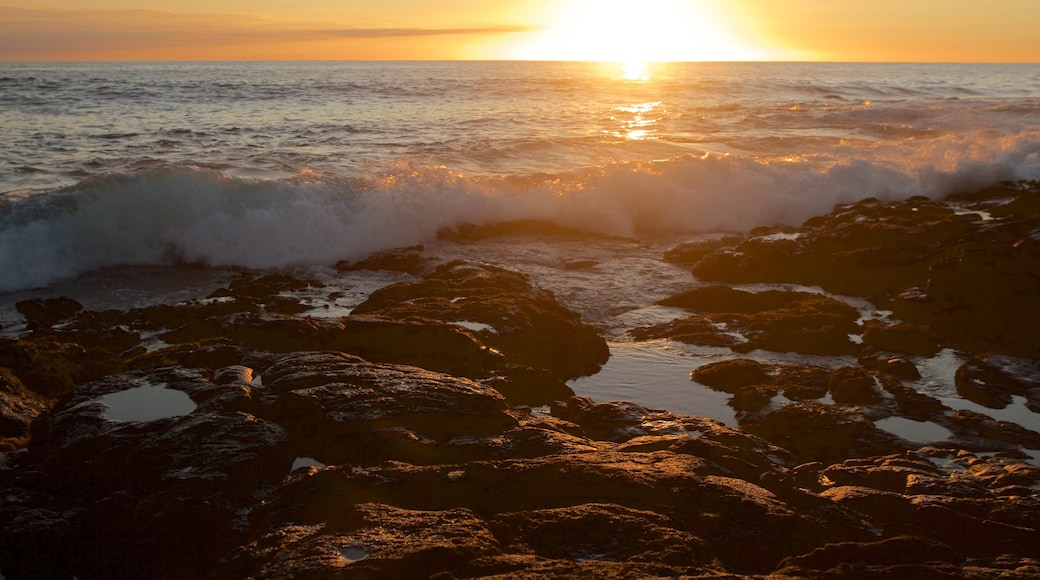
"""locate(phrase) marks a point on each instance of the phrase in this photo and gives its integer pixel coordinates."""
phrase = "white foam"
(169, 215)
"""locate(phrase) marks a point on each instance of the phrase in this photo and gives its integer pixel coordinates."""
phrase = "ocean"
(119, 180)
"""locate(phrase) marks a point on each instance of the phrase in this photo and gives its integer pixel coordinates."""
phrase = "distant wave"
(170, 215)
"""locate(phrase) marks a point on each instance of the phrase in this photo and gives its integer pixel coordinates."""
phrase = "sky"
(610, 30)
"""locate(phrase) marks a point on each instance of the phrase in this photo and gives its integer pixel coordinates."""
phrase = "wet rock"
(51, 368)
(345, 410)
(818, 432)
(691, 252)
(911, 339)
(140, 497)
(523, 323)
(894, 366)
(18, 408)
(370, 540)
(46, 312)
(732, 375)
(474, 232)
(440, 347)
(676, 495)
(409, 260)
(854, 386)
(528, 386)
(771, 320)
(902, 556)
(935, 263)
(604, 532)
(801, 383)
(984, 380)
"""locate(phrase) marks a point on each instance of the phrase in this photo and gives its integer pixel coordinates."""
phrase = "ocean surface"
(114, 176)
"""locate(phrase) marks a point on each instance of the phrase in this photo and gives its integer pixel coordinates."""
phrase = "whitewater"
(289, 165)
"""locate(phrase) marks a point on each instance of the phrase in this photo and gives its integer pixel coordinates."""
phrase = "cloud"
(416, 32)
(40, 33)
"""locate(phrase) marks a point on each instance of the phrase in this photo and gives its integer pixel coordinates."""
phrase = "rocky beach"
(432, 431)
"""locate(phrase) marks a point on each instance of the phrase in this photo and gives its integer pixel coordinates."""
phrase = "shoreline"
(432, 425)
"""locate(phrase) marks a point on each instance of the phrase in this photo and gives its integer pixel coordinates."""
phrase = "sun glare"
(635, 32)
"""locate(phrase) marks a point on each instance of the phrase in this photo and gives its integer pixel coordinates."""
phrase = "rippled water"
(288, 164)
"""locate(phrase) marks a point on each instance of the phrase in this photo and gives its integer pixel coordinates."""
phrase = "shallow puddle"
(657, 377)
(914, 431)
(147, 403)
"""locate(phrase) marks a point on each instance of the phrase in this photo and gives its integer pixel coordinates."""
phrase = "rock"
(818, 432)
(370, 540)
(140, 497)
(409, 260)
(914, 339)
(691, 252)
(771, 320)
(528, 386)
(854, 386)
(527, 228)
(933, 262)
(43, 313)
(344, 410)
(901, 556)
(985, 381)
(894, 366)
(730, 376)
(50, 368)
(18, 408)
(800, 383)
(523, 323)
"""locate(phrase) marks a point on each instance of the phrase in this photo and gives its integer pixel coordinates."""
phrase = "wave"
(166, 215)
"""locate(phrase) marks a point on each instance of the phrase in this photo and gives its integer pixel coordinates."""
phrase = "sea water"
(128, 183)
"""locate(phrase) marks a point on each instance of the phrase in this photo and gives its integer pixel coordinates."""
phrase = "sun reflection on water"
(638, 120)
(636, 71)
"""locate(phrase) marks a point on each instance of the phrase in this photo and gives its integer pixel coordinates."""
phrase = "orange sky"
(834, 30)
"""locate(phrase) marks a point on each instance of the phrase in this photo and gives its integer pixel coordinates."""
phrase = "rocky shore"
(432, 433)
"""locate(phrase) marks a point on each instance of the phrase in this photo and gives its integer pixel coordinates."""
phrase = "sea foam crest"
(190, 215)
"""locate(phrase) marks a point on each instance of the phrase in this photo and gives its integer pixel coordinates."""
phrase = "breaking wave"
(165, 215)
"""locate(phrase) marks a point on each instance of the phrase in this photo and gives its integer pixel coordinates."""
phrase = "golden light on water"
(636, 32)
(637, 122)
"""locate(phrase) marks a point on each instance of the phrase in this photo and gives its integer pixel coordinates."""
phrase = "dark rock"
(697, 330)
(753, 398)
(985, 382)
(801, 383)
(347, 411)
(46, 312)
(18, 408)
(772, 320)
(894, 366)
(730, 376)
(691, 252)
(968, 280)
(527, 325)
(911, 339)
(854, 386)
(527, 228)
(899, 557)
(409, 260)
(51, 368)
(440, 347)
(368, 540)
(527, 386)
(140, 498)
(818, 432)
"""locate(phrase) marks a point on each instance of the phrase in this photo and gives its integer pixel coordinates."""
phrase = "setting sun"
(636, 31)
